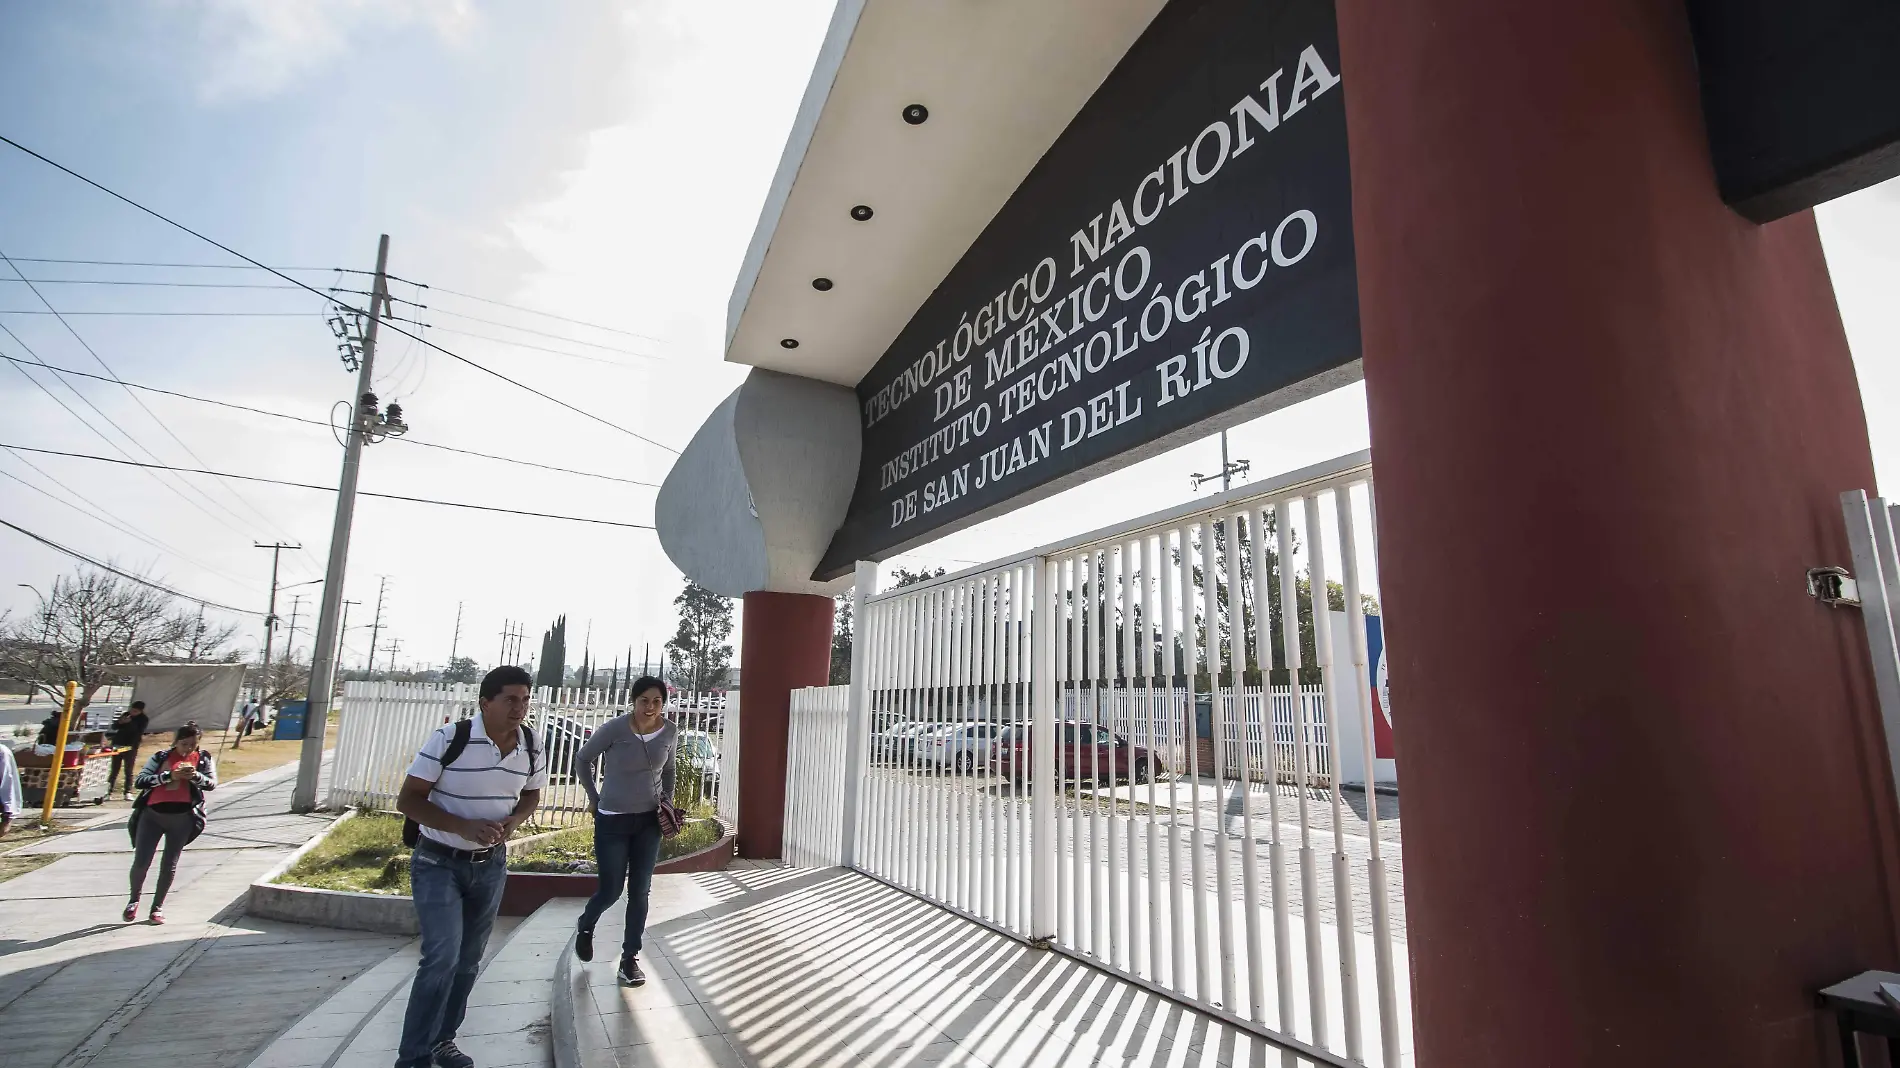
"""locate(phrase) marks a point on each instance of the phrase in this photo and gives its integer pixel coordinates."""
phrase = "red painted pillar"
(785, 644)
(1646, 812)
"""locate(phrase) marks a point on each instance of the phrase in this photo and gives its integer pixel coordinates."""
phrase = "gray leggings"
(175, 828)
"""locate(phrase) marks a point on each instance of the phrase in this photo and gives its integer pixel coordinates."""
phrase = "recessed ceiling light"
(916, 114)
(862, 212)
(790, 342)
(822, 285)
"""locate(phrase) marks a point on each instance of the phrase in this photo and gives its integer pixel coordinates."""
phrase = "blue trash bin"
(288, 726)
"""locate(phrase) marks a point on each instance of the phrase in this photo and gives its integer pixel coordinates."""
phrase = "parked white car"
(960, 746)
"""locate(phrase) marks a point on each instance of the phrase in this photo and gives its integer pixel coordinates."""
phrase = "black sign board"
(1182, 250)
(1801, 98)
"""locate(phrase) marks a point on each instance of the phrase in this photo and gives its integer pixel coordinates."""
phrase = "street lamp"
(46, 627)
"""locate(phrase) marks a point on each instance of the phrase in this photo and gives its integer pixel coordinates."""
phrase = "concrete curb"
(344, 909)
(570, 990)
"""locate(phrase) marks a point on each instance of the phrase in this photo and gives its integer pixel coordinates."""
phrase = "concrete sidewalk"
(209, 987)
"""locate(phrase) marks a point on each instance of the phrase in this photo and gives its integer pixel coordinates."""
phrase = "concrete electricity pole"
(270, 617)
(376, 625)
(367, 425)
(455, 643)
(343, 634)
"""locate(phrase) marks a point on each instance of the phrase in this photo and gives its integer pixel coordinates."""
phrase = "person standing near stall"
(128, 732)
(10, 800)
(170, 806)
(636, 756)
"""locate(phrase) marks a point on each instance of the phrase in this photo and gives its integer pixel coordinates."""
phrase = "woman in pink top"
(170, 805)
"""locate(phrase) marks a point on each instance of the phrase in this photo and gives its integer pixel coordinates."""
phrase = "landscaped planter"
(529, 890)
(381, 913)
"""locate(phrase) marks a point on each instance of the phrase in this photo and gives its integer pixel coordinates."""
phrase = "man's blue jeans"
(456, 901)
(626, 848)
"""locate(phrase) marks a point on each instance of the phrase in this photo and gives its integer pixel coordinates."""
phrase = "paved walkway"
(803, 968)
(207, 988)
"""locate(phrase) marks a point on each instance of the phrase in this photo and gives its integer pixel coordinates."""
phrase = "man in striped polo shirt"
(468, 789)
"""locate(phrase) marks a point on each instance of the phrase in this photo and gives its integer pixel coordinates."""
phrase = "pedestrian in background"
(637, 758)
(10, 800)
(170, 806)
(471, 785)
(128, 733)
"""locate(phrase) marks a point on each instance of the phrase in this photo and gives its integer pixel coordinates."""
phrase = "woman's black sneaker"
(584, 944)
(630, 973)
(447, 1056)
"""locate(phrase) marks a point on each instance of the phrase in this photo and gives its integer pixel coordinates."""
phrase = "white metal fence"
(382, 725)
(1261, 895)
(814, 791)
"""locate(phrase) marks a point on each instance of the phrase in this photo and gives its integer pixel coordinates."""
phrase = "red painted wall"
(786, 645)
(1646, 810)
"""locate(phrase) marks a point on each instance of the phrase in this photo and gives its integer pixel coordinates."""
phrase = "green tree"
(462, 669)
(906, 577)
(553, 662)
(700, 655)
(841, 641)
(94, 622)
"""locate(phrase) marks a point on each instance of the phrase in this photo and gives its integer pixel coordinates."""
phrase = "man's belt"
(473, 856)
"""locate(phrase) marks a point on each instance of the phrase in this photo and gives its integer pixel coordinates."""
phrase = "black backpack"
(458, 742)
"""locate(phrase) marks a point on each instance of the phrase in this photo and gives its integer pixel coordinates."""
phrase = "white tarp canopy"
(175, 694)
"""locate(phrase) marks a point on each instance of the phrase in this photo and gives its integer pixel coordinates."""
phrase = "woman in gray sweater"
(635, 755)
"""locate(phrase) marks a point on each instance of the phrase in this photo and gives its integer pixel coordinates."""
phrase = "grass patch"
(13, 867)
(572, 851)
(366, 854)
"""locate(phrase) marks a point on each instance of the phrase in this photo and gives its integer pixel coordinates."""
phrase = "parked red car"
(1107, 759)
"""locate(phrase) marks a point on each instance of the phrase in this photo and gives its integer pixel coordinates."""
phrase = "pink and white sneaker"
(131, 912)
(158, 915)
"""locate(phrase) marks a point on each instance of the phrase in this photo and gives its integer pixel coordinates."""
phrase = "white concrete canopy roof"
(1001, 80)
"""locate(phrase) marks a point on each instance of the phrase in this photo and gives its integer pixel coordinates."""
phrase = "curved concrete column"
(755, 498)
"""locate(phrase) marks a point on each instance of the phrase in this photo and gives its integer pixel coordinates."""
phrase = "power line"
(142, 282)
(540, 333)
(83, 558)
(174, 314)
(538, 348)
(332, 426)
(98, 433)
(354, 311)
(101, 515)
(162, 425)
(253, 266)
(325, 489)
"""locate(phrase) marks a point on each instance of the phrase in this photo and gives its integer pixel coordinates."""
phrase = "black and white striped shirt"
(481, 784)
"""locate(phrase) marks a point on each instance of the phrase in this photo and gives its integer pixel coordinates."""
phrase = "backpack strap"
(458, 742)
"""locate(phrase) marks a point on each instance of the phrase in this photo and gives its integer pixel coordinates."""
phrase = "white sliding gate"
(1239, 879)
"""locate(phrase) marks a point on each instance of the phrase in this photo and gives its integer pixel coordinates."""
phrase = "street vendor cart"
(83, 777)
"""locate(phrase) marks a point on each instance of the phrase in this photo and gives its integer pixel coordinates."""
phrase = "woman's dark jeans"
(627, 847)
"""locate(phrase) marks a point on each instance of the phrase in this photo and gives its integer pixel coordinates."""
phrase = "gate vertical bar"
(857, 728)
(1381, 920)
(1309, 868)
(1042, 751)
(1342, 866)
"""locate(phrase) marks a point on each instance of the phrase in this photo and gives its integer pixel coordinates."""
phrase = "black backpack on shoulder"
(458, 743)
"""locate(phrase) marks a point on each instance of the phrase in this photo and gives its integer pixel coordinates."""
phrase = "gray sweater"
(635, 774)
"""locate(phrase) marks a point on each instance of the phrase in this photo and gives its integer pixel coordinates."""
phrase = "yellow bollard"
(59, 755)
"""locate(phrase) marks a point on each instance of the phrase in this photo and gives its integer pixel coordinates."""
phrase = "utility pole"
(290, 644)
(507, 632)
(1227, 470)
(343, 634)
(367, 425)
(376, 625)
(395, 646)
(455, 643)
(270, 617)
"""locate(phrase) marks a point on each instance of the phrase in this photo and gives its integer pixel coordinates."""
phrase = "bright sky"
(596, 159)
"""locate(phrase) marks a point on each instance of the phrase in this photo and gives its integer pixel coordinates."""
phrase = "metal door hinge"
(1833, 586)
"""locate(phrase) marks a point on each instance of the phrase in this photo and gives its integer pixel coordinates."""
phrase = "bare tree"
(94, 623)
